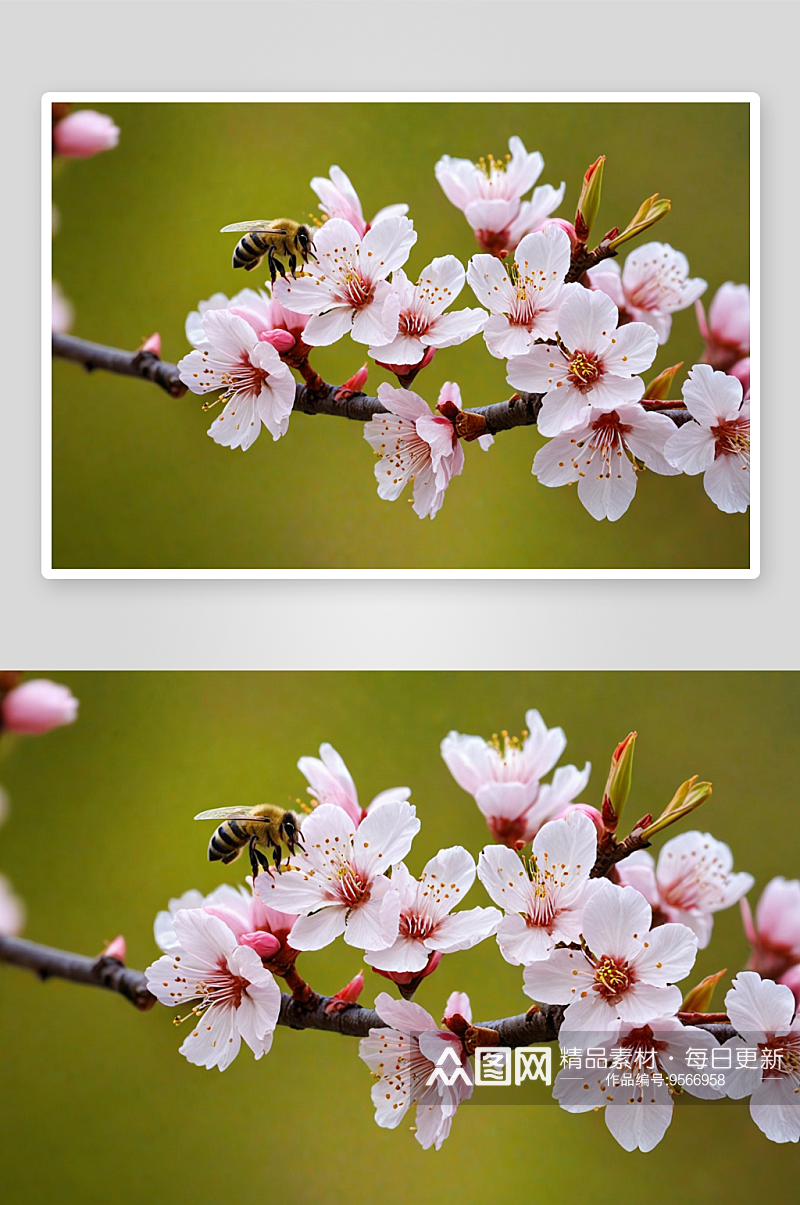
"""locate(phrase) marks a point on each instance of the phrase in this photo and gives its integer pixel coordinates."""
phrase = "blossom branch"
(521, 410)
(537, 1025)
(49, 963)
(142, 364)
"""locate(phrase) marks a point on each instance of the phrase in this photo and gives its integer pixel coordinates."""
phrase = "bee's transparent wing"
(258, 224)
(225, 814)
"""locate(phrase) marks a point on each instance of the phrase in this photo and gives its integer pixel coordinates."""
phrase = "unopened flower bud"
(152, 345)
(689, 795)
(661, 386)
(282, 341)
(116, 949)
(455, 1011)
(85, 133)
(618, 784)
(649, 212)
(37, 706)
(347, 996)
(264, 944)
(699, 998)
(567, 227)
(353, 384)
(589, 200)
(585, 809)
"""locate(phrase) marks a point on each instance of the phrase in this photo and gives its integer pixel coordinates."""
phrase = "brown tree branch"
(522, 410)
(538, 1025)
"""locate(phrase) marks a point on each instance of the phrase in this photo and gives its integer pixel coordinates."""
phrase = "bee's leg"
(276, 856)
(292, 264)
(275, 265)
(255, 866)
(263, 861)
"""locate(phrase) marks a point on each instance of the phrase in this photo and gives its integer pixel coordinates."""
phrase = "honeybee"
(271, 238)
(266, 825)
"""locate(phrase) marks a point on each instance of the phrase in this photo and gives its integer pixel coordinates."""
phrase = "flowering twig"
(126, 363)
(521, 410)
(537, 1025)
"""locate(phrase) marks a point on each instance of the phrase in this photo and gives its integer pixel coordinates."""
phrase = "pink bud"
(85, 133)
(358, 380)
(567, 227)
(281, 340)
(37, 706)
(347, 996)
(457, 1006)
(152, 345)
(264, 944)
(116, 949)
(585, 809)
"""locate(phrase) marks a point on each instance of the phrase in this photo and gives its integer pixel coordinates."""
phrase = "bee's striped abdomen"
(227, 841)
(249, 251)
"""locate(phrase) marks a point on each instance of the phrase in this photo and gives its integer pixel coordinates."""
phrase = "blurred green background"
(96, 1104)
(136, 481)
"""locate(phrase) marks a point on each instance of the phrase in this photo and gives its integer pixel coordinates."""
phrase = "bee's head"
(291, 831)
(306, 241)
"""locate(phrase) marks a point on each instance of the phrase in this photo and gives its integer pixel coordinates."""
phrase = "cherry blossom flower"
(503, 775)
(490, 194)
(37, 706)
(694, 879)
(164, 931)
(268, 318)
(62, 314)
(253, 924)
(638, 1110)
(238, 997)
(775, 935)
(346, 291)
(338, 199)
(591, 369)
(339, 885)
(597, 454)
(12, 910)
(257, 387)
(727, 332)
(524, 296)
(412, 444)
(651, 287)
(717, 443)
(330, 781)
(623, 972)
(543, 904)
(84, 133)
(426, 925)
(763, 1013)
(423, 322)
(403, 1058)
